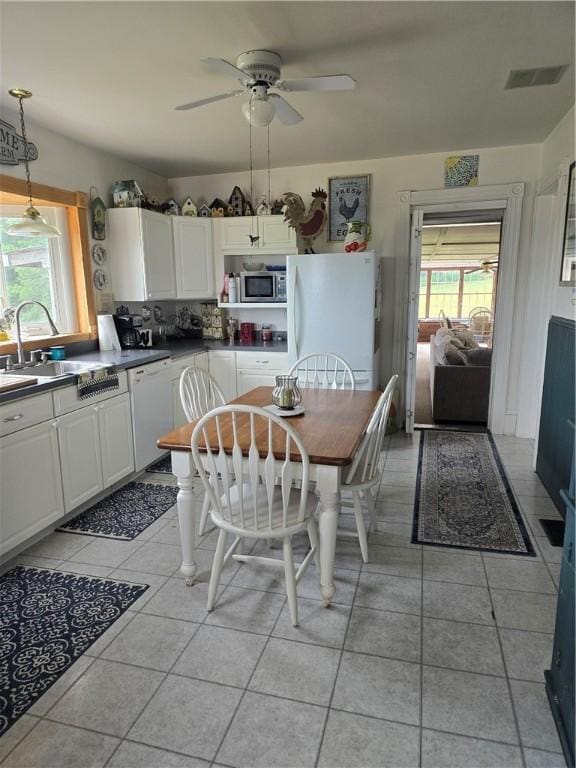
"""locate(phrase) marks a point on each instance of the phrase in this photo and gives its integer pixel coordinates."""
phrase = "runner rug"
(463, 497)
(47, 620)
(164, 466)
(125, 513)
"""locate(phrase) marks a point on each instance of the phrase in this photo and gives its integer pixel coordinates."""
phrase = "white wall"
(388, 177)
(545, 296)
(70, 165)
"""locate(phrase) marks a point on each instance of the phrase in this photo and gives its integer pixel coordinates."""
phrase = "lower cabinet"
(96, 449)
(31, 495)
(223, 369)
(247, 380)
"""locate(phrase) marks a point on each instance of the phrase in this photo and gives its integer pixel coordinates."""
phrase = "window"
(39, 269)
(455, 291)
(58, 270)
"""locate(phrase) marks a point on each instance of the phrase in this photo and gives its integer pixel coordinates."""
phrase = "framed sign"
(568, 272)
(348, 199)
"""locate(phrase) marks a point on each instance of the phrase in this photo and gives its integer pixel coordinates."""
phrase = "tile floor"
(429, 657)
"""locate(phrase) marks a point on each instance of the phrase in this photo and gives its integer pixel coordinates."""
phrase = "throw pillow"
(442, 336)
(466, 337)
(481, 357)
(453, 356)
(456, 342)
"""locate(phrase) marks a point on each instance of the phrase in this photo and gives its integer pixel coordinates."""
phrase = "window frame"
(13, 191)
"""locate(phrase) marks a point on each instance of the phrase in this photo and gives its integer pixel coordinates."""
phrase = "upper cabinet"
(155, 257)
(193, 257)
(246, 234)
(141, 250)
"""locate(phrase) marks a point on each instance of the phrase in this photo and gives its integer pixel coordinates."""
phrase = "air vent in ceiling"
(526, 78)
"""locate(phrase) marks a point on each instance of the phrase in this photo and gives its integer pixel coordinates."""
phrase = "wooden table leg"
(328, 489)
(183, 468)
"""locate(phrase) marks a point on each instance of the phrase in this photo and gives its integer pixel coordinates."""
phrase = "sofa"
(460, 392)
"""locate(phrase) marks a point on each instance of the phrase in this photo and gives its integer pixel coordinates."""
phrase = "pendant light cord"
(251, 173)
(26, 165)
(269, 197)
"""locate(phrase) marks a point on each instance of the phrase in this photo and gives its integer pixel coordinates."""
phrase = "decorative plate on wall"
(100, 279)
(99, 254)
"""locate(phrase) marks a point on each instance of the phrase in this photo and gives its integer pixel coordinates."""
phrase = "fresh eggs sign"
(13, 147)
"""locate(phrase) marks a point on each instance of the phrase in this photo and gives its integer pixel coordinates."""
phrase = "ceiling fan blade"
(201, 102)
(284, 111)
(321, 83)
(223, 67)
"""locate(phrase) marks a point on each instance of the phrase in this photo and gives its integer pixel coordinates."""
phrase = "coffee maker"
(129, 329)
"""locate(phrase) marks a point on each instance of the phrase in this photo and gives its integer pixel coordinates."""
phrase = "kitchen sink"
(54, 369)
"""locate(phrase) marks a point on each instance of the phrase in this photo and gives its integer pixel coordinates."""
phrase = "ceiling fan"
(259, 71)
(488, 265)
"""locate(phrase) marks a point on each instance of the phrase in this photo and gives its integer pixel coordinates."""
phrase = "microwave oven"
(263, 286)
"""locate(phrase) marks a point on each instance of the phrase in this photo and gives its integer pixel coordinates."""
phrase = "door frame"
(509, 198)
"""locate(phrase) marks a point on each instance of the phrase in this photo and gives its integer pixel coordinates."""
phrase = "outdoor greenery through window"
(455, 291)
(36, 268)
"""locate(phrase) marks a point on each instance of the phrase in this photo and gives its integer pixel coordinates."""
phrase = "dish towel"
(99, 380)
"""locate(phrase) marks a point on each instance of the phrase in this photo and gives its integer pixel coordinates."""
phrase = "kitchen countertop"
(130, 358)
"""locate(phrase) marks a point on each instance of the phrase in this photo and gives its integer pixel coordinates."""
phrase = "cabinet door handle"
(263, 362)
(569, 552)
(13, 418)
(558, 658)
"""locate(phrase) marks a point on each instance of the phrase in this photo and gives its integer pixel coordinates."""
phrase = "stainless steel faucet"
(53, 330)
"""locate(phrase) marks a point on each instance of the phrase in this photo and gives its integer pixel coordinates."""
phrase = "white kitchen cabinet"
(96, 449)
(141, 251)
(273, 233)
(178, 366)
(223, 369)
(193, 257)
(259, 369)
(80, 456)
(31, 497)
(247, 380)
(275, 236)
(116, 446)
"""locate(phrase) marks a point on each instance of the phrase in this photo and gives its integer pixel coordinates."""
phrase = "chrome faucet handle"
(34, 356)
(45, 357)
(8, 362)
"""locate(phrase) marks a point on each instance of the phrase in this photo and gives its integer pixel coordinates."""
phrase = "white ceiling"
(460, 244)
(430, 76)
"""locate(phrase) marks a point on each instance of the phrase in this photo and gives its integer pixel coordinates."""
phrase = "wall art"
(568, 274)
(348, 200)
(461, 171)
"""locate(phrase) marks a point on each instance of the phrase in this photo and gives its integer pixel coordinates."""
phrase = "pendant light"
(32, 224)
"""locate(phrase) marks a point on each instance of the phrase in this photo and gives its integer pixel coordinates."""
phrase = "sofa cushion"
(480, 356)
(454, 356)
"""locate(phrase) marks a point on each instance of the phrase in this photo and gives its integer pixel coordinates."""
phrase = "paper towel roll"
(107, 335)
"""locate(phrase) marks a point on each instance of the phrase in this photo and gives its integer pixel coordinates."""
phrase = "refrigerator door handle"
(295, 329)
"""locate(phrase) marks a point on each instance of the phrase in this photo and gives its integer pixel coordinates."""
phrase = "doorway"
(458, 278)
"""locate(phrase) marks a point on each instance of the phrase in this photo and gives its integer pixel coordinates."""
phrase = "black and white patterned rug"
(47, 620)
(125, 513)
(463, 497)
(164, 466)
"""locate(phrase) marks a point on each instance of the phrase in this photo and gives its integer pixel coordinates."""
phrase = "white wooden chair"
(243, 495)
(365, 472)
(199, 394)
(323, 370)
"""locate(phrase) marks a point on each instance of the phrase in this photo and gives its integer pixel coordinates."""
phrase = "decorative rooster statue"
(307, 225)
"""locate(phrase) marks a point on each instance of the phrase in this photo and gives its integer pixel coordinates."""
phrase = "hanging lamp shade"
(32, 224)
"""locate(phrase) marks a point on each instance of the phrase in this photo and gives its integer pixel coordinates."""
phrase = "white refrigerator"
(333, 306)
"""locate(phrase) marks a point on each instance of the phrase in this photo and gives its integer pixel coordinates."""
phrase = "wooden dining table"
(331, 428)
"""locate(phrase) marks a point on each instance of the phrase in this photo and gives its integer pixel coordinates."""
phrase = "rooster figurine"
(307, 225)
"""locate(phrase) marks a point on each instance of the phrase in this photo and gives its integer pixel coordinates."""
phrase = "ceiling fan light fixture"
(259, 112)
